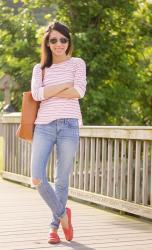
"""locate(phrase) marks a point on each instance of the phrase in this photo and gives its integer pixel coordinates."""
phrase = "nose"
(58, 42)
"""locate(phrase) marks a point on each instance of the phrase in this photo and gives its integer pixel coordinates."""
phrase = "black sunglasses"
(55, 40)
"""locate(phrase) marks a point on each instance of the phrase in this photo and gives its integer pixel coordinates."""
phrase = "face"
(58, 43)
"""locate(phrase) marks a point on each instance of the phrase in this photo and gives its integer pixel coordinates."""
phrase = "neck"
(59, 59)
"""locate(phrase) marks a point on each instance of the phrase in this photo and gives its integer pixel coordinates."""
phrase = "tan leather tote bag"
(28, 115)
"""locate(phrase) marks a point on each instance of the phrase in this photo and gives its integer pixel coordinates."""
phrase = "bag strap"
(43, 73)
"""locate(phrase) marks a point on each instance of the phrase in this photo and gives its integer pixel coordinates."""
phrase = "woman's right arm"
(50, 91)
(40, 92)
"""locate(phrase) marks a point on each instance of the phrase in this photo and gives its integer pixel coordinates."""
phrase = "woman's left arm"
(69, 93)
(79, 87)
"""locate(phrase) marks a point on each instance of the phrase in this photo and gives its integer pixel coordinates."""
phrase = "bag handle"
(43, 73)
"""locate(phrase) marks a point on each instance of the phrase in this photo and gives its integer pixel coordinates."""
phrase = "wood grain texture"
(24, 219)
(112, 161)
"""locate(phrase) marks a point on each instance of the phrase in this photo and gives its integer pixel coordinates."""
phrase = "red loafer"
(53, 238)
(68, 232)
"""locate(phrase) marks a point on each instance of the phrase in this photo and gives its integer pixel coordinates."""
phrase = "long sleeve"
(70, 71)
(80, 77)
(36, 84)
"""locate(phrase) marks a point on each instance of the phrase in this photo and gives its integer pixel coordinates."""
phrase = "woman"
(57, 122)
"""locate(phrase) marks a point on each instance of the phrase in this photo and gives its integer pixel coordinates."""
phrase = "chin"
(59, 54)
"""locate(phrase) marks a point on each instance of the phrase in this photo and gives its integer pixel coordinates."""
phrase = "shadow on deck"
(24, 220)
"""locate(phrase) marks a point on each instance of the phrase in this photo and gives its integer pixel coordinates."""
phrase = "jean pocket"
(73, 123)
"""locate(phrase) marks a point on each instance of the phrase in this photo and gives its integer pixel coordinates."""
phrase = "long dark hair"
(46, 54)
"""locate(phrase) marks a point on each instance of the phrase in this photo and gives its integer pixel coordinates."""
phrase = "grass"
(1, 154)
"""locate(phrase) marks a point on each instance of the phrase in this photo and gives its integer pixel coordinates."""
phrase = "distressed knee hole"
(36, 182)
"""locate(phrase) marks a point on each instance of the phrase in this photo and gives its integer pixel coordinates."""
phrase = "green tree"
(113, 37)
(18, 47)
(106, 34)
(20, 33)
(144, 92)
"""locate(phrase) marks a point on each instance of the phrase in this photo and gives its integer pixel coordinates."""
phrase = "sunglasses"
(55, 40)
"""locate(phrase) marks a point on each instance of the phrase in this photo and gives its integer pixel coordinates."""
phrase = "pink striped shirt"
(72, 70)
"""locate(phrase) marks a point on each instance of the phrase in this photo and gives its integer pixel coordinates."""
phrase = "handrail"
(113, 166)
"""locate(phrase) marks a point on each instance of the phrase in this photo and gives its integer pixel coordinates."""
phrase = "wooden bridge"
(24, 220)
(112, 169)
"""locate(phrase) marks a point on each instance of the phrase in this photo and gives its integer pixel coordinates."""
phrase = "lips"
(59, 50)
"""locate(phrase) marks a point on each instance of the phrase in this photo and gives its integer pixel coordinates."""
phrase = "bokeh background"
(113, 37)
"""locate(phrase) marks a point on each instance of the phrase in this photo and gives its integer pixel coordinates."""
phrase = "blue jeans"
(65, 134)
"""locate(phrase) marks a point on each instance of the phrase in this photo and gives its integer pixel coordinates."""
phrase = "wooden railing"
(113, 166)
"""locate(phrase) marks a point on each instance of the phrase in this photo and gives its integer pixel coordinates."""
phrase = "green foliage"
(18, 47)
(20, 33)
(113, 37)
(144, 95)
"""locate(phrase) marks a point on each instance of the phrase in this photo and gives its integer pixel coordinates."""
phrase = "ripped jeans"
(65, 134)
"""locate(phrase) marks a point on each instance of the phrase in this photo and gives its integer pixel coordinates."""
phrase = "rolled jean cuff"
(56, 226)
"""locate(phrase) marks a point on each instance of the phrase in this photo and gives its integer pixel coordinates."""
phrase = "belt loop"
(65, 120)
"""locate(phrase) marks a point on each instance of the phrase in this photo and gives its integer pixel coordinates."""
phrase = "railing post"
(113, 165)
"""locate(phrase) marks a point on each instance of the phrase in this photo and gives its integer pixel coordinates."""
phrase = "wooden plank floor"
(24, 220)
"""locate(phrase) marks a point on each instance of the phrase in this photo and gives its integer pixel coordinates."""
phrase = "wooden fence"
(113, 166)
